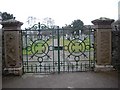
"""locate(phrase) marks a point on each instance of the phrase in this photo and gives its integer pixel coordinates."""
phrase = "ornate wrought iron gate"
(57, 50)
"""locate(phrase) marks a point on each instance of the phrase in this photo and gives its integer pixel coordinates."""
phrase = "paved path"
(63, 80)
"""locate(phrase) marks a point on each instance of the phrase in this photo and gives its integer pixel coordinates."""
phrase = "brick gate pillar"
(103, 41)
(12, 50)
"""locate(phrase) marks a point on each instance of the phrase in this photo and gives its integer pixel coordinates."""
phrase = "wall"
(0, 58)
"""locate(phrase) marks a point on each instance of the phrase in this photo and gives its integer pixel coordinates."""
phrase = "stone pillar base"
(103, 68)
(15, 71)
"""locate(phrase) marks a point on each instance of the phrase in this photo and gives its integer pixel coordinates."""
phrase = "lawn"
(69, 45)
(36, 47)
(76, 45)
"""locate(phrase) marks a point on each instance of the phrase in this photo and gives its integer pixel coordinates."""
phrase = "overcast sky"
(62, 11)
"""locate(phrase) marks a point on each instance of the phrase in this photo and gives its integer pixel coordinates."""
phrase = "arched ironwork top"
(38, 26)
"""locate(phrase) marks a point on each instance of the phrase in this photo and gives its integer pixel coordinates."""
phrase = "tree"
(49, 22)
(31, 21)
(77, 25)
(6, 16)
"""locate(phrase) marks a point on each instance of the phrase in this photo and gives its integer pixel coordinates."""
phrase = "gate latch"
(58, 48)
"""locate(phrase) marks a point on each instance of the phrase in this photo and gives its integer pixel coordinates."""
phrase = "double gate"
(57, 50)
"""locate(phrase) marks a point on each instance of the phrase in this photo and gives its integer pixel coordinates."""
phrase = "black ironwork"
(48, 50)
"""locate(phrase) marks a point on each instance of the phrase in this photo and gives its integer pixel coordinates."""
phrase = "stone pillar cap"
(117, 22)
(11, 22)
(103, 21)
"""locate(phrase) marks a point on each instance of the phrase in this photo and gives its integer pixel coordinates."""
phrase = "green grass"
(36, 47)
(75, 45)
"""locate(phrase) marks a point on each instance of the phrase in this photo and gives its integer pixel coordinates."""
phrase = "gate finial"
(39, 25)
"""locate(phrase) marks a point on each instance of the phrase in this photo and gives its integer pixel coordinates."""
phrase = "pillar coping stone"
(103, 21)
(117, 22)
(116, 25)
(11, 23)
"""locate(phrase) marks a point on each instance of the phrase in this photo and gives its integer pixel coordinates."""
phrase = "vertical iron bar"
(81, 66)
(63, 51)
(76, 66)
(58, 49)
(94, 47)
(24, 67)
(39, 30)
(53, 33)
(89, 46)
(36, 68)
(39, 25)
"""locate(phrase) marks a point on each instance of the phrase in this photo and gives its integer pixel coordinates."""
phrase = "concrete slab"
(63, 80)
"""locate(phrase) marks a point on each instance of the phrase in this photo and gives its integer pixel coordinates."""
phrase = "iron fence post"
(58, 49)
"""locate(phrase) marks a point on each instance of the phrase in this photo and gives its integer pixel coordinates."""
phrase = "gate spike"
(35, 67)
